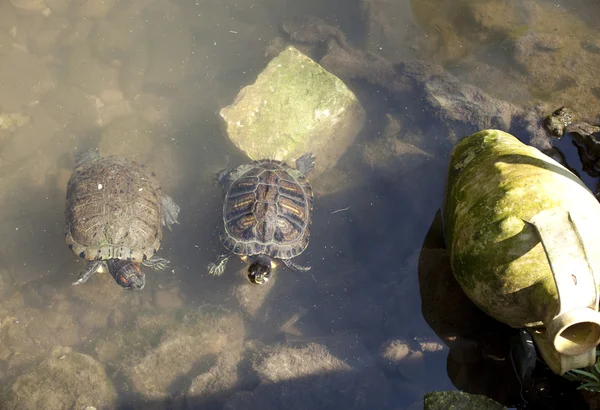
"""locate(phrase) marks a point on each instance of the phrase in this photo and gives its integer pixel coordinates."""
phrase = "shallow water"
(146, 80)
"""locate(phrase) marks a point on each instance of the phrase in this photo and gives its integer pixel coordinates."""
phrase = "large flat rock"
(295, 106)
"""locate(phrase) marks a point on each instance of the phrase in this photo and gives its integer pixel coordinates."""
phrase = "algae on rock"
(165, 348)
(309, 376)
(68, 380)
(295, 106)
(457, 400)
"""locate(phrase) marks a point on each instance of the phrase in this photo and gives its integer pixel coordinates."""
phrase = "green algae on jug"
(523, 235)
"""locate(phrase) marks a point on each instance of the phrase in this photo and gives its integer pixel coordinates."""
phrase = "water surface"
(146, 80)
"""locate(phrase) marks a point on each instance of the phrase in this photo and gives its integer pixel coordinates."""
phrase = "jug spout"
(560, 363)
(575, 329)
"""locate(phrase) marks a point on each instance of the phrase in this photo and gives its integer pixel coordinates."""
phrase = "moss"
(495, 183)
(293, 106)
(456, 400)
(68, 380)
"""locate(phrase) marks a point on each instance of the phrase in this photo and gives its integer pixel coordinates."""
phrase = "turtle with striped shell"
(267, 209)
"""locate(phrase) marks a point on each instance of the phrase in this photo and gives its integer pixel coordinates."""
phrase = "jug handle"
(575, 328)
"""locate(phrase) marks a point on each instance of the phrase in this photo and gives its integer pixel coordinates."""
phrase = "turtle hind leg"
(170, 211)
(218, 267)
(90, 269)
(294, 266)
(156, 263)
(305, 163)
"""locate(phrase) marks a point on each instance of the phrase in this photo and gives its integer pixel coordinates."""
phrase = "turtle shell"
(267, 210)
(113, 210)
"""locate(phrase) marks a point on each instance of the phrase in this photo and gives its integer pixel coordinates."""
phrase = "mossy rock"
(67, 380)
(496, 184)
(295, 106)
(456, 400)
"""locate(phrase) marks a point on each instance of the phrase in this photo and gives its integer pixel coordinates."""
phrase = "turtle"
(267, 209)
(115, 211)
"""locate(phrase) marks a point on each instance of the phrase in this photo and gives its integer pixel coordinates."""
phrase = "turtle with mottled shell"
(115, 211)
(267, 209)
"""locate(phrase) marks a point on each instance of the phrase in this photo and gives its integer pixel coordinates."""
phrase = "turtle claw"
(294, 266)
(90, 269)
(213, 269)
(156, 263)
(305, 163)
(170, 211)
(218, 268)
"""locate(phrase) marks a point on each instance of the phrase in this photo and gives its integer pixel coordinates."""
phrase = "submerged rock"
(295, 106)
(388, 27)
(34, 79)
(212, 388)
(558, 121)
(165, 351)
(466, 108)
(460, 108)
(84, 70)
(586, 138)
(456, 400)
(67, 380)
(131, 136)
(398, 356)
(170, 48)
(315, 377)
(118, 36)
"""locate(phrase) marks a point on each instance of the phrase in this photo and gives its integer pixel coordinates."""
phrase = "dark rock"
(559, 120)
(586, 138)
(466, 107)
(456, 400)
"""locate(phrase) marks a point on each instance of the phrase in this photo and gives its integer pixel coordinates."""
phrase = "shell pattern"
(267, 210)
(113, 210)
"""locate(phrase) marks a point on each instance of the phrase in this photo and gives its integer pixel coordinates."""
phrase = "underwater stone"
(195, 344)
(397, 356)
(68, 380)
(558, 121)
(295, 106)
(35, 79)
(388, 28)
(313, 376)
(456, 400)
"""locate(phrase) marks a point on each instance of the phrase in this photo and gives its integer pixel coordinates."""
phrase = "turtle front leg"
(170, 211)
(294, 266)
(218, 267)
(305, 163)
(91, 268)
(156, 263)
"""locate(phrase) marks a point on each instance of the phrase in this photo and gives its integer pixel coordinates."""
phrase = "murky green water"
(370, 325)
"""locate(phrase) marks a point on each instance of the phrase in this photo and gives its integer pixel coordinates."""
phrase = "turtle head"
(127, 274)
(260, 270)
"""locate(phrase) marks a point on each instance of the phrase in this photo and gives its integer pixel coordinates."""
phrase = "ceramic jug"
(523, 234)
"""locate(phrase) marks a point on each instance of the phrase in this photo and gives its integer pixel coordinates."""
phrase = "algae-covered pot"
(523, 234)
